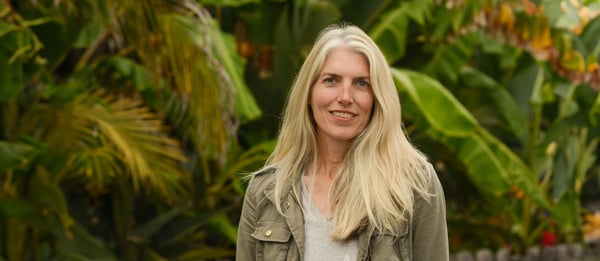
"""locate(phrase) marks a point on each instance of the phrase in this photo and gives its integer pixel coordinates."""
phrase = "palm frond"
(121, 136)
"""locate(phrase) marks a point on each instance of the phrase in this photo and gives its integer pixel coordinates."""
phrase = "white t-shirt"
(319, 245)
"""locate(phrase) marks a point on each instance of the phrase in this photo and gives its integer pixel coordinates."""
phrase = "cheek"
(367, 102)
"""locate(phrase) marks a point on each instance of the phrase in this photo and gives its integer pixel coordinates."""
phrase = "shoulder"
(261, 180)
(434, 184)
(431, 186)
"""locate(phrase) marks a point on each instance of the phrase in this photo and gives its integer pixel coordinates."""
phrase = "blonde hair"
(380, 171)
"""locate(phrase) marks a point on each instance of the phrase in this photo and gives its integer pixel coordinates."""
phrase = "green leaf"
(390, 34)
(441, 109)
(114, 131)
(449, 58)
(14, 155)
(505, 103)
(492, 166)
(80, 245)
(590, 37)
(419, 10)
(173, 233)
(517, 172)
(151, 227)
(484, 169)
(568, 106)
(526, 86)
(223, 224)
(561, 14)
(45, 192)
(224, 48)
(316, 16)
(11, 76)
(128, 69)
(567, 213)
(16, 208)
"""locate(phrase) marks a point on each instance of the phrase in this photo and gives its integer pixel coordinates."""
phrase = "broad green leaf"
(517, 171)
(11, 76)
(316, 16)
(483, 168)
(525, 86)
(13, 155)
(225, 226)
(568, 106)
(5, 28)
(441, 109)
(150, 228)
(457, 128)
(123, 206)
(184, 226)
(585, 161)
(45, 192)
(260, 23)
(419, 10)
(128, 70)
(224, 48)
(443, 19)
(505, 104)
(567, 213)
(561, 14)
(16, 208)
(491, 44)
(390, 34)
(80, 245)
(590, 38)
(363, 13)
(449, 58)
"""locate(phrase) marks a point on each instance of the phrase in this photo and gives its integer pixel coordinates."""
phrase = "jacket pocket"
(273, 241)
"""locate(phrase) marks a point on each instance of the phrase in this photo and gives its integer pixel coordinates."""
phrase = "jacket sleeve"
(430, 232)
(246, 244)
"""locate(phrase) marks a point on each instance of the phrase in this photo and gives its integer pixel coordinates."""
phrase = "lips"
(343, 114)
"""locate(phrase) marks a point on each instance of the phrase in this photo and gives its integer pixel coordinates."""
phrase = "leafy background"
(127, 126)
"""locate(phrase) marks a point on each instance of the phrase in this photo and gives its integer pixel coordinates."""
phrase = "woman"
(343, 182)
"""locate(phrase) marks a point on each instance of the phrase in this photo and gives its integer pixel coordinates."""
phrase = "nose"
(345, 94)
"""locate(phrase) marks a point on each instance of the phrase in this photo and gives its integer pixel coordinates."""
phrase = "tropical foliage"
(118, 131)
(126, 125)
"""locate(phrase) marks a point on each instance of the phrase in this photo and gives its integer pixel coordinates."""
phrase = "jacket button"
(287, 205)
(268, 233)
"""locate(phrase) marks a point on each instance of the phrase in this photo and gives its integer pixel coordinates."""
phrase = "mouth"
(343, 114)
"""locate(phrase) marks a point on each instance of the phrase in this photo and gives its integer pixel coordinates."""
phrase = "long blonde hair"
(381, 170)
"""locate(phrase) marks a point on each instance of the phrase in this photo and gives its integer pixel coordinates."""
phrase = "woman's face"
(341, 99)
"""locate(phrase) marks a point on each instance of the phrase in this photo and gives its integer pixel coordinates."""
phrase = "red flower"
(549, 238)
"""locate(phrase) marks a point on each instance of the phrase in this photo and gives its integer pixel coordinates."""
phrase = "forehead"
(346, 60)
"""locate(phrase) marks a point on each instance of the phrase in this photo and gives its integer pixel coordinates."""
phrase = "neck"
(330, 158)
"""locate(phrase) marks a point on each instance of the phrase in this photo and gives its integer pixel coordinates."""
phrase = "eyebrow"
(339, 76)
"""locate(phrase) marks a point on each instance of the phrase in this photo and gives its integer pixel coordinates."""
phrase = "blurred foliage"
(126, 125)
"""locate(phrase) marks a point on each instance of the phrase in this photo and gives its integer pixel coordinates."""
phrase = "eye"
(328, 79)
(363, 83)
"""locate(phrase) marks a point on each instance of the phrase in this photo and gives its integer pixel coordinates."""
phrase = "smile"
(343, 114)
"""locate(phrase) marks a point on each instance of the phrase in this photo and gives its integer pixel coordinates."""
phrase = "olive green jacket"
(265, 234)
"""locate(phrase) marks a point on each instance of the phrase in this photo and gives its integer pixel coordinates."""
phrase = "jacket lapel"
(292, 210)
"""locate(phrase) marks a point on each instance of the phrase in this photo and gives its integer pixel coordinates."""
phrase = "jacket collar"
(294, 216)
(292, 210)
